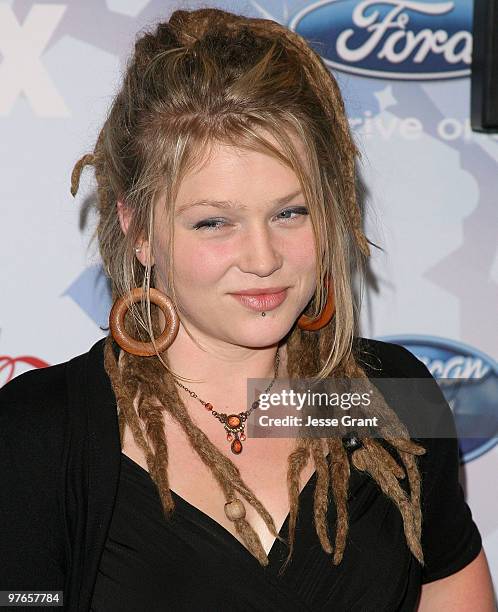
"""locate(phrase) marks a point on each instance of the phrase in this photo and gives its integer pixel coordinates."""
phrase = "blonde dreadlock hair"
(209, 75)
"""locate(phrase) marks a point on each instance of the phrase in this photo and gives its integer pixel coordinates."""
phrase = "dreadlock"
(200, 74)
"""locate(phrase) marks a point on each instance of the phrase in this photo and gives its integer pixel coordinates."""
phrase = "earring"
(308, 324)
(136, 347)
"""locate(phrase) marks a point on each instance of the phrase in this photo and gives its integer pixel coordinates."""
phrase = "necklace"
(234, 423)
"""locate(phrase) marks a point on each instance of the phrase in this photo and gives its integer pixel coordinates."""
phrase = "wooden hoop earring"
(136, 347)
(309, 324)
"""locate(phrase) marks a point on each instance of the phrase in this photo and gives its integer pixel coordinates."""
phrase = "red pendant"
(236, 446)
(234, 421)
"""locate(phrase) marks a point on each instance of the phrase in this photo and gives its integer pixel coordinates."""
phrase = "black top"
(83, 517)
(195, 563)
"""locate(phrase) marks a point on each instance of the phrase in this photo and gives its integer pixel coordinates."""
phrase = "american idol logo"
(473, 397)
(390, 39)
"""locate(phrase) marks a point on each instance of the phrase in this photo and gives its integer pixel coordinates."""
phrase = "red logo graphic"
(8, 366)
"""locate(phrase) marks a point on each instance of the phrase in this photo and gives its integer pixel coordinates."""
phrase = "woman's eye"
(300, 211)
(209, 224)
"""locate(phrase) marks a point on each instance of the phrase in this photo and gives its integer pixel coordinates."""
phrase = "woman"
(225, 170)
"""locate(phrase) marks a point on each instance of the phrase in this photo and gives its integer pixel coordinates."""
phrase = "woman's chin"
(260, 334)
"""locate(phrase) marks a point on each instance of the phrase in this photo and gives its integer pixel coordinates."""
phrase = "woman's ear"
(124, 214)
(142, 248)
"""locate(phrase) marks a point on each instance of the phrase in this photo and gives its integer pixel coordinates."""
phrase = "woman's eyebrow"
(233, 204)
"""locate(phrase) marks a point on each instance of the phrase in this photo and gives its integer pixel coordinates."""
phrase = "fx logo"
(21, 69)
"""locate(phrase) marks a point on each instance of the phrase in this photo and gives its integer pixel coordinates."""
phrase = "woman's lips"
(264, 301)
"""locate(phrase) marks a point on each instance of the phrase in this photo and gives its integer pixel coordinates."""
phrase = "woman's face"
(259, 236)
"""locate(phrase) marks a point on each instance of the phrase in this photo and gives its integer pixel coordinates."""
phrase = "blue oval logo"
(474, 399)
(390, 39)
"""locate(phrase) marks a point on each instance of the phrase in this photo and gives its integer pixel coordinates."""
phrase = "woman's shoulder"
(32, 405)
(388, 359)
(33, 385)
(413, 393)
(37, 400)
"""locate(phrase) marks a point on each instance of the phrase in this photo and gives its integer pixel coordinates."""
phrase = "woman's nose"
(259, 252)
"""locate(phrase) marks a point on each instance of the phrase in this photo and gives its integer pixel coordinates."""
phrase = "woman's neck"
(220, 372)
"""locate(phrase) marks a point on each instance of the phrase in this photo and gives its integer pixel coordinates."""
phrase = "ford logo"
(390, 39)
(474, 400)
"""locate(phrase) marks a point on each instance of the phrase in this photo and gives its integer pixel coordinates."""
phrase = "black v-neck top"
(79, 516)
(193, 562)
